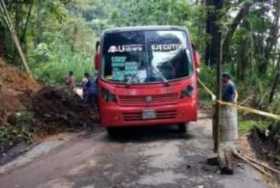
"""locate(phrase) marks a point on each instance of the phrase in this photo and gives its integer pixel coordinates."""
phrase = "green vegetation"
(245, 126)
(59, 35)
(54, 38)
(52, 72)
(21, 131)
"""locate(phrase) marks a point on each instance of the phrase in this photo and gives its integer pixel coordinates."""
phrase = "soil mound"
(62, 107)
(16, 89)
(29, 111)
(12, 78)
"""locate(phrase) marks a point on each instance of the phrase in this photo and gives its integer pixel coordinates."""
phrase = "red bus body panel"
(166, 101)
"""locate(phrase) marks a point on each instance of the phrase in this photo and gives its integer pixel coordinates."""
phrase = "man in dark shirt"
(90, 90)
(229, 89)
(228, 126)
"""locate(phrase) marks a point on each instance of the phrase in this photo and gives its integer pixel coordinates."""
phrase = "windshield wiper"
(165, 81)
(128, 83)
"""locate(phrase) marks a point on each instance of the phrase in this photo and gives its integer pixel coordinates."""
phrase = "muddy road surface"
(139, 157)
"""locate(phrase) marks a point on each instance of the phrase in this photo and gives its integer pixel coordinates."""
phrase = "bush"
(208, 77)
(20, 131)
(53, 73)
(50, 63)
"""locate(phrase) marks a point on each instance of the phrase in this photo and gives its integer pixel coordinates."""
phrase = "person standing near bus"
(70, 80)
(229, 93)
(228, 120)
(90, 90)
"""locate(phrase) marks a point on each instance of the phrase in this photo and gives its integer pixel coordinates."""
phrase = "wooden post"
(216, 59)
(219, 95)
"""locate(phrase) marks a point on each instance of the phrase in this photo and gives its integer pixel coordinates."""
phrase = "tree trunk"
(244, 10)
(209, 24)
(39, 22)
(216, 59)
(24, 31)
(275, 83)
(14, 36)
(216, 33)
(271, 40)
(244, 53)
(18, 14)
(2, 37)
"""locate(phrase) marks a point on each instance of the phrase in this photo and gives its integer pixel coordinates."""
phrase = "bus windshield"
(146, 56)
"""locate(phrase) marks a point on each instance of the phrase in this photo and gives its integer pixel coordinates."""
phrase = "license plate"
(149, 114)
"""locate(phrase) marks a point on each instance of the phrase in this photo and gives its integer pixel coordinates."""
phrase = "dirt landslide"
(30, 111)
(16, 89)
(53, 107)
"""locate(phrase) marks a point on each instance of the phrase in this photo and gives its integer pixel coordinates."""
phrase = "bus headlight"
(187, 92)
(108, 96)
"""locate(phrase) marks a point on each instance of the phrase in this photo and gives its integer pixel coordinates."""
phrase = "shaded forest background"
(60, 35)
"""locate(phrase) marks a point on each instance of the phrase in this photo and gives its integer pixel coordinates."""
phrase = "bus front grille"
(152, 99)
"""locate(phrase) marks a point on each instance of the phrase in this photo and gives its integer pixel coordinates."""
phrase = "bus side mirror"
(97, 58)
(97, 61)
(197, 61)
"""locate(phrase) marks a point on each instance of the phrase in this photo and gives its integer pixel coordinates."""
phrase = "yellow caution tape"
(239, 107)
(213, 96)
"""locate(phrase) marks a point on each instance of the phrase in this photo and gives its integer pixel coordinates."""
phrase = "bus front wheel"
(182, 127)
(111, 131)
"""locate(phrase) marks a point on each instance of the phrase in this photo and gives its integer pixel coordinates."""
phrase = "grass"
(245, 126)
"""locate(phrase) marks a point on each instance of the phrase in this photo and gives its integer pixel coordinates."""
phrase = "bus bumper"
(120, 116)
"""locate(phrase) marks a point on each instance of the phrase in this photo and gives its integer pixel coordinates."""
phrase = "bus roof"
(143, 28)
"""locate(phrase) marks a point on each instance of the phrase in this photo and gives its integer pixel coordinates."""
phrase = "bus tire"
(182, 127)
(111, 132)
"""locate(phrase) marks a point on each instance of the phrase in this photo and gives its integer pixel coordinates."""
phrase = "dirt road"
(142, 157)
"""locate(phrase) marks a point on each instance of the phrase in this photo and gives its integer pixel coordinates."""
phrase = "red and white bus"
(148, 77)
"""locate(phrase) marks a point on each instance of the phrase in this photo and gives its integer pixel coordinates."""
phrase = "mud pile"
(29, 111)
(16, 89)
(18, 93)
(59, 106)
